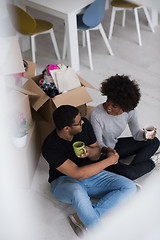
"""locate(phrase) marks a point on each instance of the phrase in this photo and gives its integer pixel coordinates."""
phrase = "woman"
(110, 119)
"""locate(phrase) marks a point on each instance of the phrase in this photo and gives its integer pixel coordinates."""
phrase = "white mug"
(149, 130)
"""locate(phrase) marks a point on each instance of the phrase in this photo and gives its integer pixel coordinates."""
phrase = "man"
(74, 180)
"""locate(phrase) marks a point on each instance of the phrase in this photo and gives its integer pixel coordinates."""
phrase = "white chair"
(121, 5)
(91, 20)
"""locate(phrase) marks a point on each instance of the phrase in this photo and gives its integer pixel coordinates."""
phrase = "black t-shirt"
(57, 150)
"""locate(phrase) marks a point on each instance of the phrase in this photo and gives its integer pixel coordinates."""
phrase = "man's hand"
(114, 157)
(110, 152)
(84, 155)
(92, 152)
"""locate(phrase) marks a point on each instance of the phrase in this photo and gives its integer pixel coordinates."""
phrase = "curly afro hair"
(123, 92)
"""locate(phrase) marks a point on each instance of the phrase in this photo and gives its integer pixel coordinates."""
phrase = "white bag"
(53, 72)
(65, 79)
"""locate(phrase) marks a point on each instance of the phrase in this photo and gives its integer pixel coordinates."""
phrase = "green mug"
(78, 147)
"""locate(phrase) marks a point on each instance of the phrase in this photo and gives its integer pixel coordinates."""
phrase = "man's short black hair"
(122, 91)
(64, 116)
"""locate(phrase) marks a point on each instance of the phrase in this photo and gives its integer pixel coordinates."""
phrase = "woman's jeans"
(141, 164)
(109, 188)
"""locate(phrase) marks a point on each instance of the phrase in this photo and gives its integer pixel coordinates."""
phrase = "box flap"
(85, 83)
(14, 97)
(30, 72)
(36, 103)
(74, 97)
(25, 91)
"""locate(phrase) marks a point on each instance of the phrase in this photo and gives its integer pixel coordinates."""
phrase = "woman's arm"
(97, 129)
(133, 124)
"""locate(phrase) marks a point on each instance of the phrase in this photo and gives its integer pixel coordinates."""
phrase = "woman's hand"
(108, 151)
(152, 136)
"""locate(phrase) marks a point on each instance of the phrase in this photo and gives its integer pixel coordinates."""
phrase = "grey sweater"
(108, 128)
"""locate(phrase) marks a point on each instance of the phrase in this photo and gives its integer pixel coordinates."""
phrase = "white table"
(66, 10)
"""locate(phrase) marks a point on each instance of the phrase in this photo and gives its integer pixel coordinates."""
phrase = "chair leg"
(64, 46)
(54, 43)
(137, 26)
(148, 18)
(89, 49)
(83, 39)
(124, 18)
(105, 39)
(33, 48)
(112, 22)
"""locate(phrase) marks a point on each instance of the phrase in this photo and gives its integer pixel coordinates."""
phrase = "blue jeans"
(109, 188)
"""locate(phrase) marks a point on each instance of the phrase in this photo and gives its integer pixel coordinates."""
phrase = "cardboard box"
(30, 71)
(19, 78)
(18, 101)
(44, 128)
(45, 105)
(89, 109)
(25, 159)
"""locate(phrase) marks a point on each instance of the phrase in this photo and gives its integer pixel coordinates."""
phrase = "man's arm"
(70, 169)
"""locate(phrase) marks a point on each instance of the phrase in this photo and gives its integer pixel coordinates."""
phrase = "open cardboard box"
(45, 105)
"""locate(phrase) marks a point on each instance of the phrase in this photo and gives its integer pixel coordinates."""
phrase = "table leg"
(72, 41)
